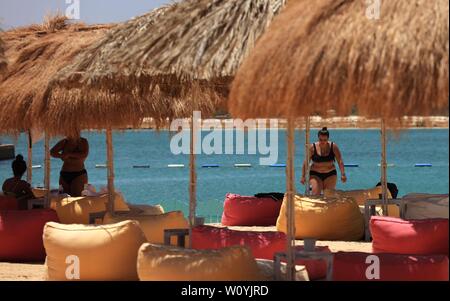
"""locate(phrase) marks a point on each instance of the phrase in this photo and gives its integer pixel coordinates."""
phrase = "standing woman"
(323, 174)
(73, 151)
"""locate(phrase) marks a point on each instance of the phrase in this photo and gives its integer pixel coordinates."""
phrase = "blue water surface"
(169, 186)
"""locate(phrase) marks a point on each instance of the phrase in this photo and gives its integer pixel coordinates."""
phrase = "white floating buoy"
(100, 166)
(175, 165)
(243, 165)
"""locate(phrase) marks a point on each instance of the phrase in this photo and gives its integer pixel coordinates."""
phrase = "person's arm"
(340, 162)
(4, 187)
(56, 151)
(28, 191)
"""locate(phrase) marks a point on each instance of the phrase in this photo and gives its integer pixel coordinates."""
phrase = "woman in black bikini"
(323, 173)
(73, 151)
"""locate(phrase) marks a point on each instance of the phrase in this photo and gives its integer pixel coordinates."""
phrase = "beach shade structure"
(3, 61)
(387, 62)
(171, 62)
(35, 53)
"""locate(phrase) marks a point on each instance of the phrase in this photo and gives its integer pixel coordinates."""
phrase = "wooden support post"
(192, 180)
(384, 167)
(307, 154)
(30, 159)
(290, 192)
(47, 170)
(110, 159)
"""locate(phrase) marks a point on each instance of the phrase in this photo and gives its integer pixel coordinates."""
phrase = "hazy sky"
(15, 13)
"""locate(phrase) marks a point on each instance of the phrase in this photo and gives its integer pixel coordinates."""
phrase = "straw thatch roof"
(327, 54)
(35, 53)
(3, 61)
(184, 54)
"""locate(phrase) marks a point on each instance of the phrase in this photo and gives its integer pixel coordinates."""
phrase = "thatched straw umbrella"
(35, 54)
(3, 61)
(331, 54)
(184, 54)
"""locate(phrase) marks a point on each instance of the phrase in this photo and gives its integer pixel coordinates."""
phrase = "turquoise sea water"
(169, 186)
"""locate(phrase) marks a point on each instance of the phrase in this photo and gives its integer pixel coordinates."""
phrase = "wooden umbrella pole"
(47, 170)
(290, 191)
(110, 158)
(384, 167)
(30, 159)
(193, 181)
(307, 154)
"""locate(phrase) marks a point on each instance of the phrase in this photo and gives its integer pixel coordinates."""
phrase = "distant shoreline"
(344, 123)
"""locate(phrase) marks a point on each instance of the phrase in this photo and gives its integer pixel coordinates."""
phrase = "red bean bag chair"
(317, 269)
(263, 244)
(8, 203)
(21, 234)
(419, 237)
(250, 211)
(352, 266)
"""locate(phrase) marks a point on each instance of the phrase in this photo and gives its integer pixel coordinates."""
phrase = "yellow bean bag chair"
(165, 263)
(76, 210)
(361, 195)
(153, 225)
(103, 252)
(324, 218)
(146, 209)
(39, 192)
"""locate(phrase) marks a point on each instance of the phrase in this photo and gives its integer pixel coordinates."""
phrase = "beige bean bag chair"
(104, 252)
(324, 218)
(145, 209)
(165, 263)
(425, 206)
(153, 226)
(76, 210)
(361, 195)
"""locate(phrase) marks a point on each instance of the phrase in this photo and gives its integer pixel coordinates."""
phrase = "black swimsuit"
(319, 159)
(69, 176)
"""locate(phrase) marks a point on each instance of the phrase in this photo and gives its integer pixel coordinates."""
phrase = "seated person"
(16, 187)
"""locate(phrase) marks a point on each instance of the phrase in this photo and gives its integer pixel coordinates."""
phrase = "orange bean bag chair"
(324, 218)
(352, 266)
(250, 211)
(8, 203)
(21, 234)
(420, 237)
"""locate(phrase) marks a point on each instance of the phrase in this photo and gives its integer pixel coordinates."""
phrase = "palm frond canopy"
(35, 53)
(330, 54)
(170, 61)
(3, 61)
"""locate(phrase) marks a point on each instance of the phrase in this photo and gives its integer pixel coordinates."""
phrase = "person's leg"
(64, 184)
(316, 185)
(330, 182)
(77, 185)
